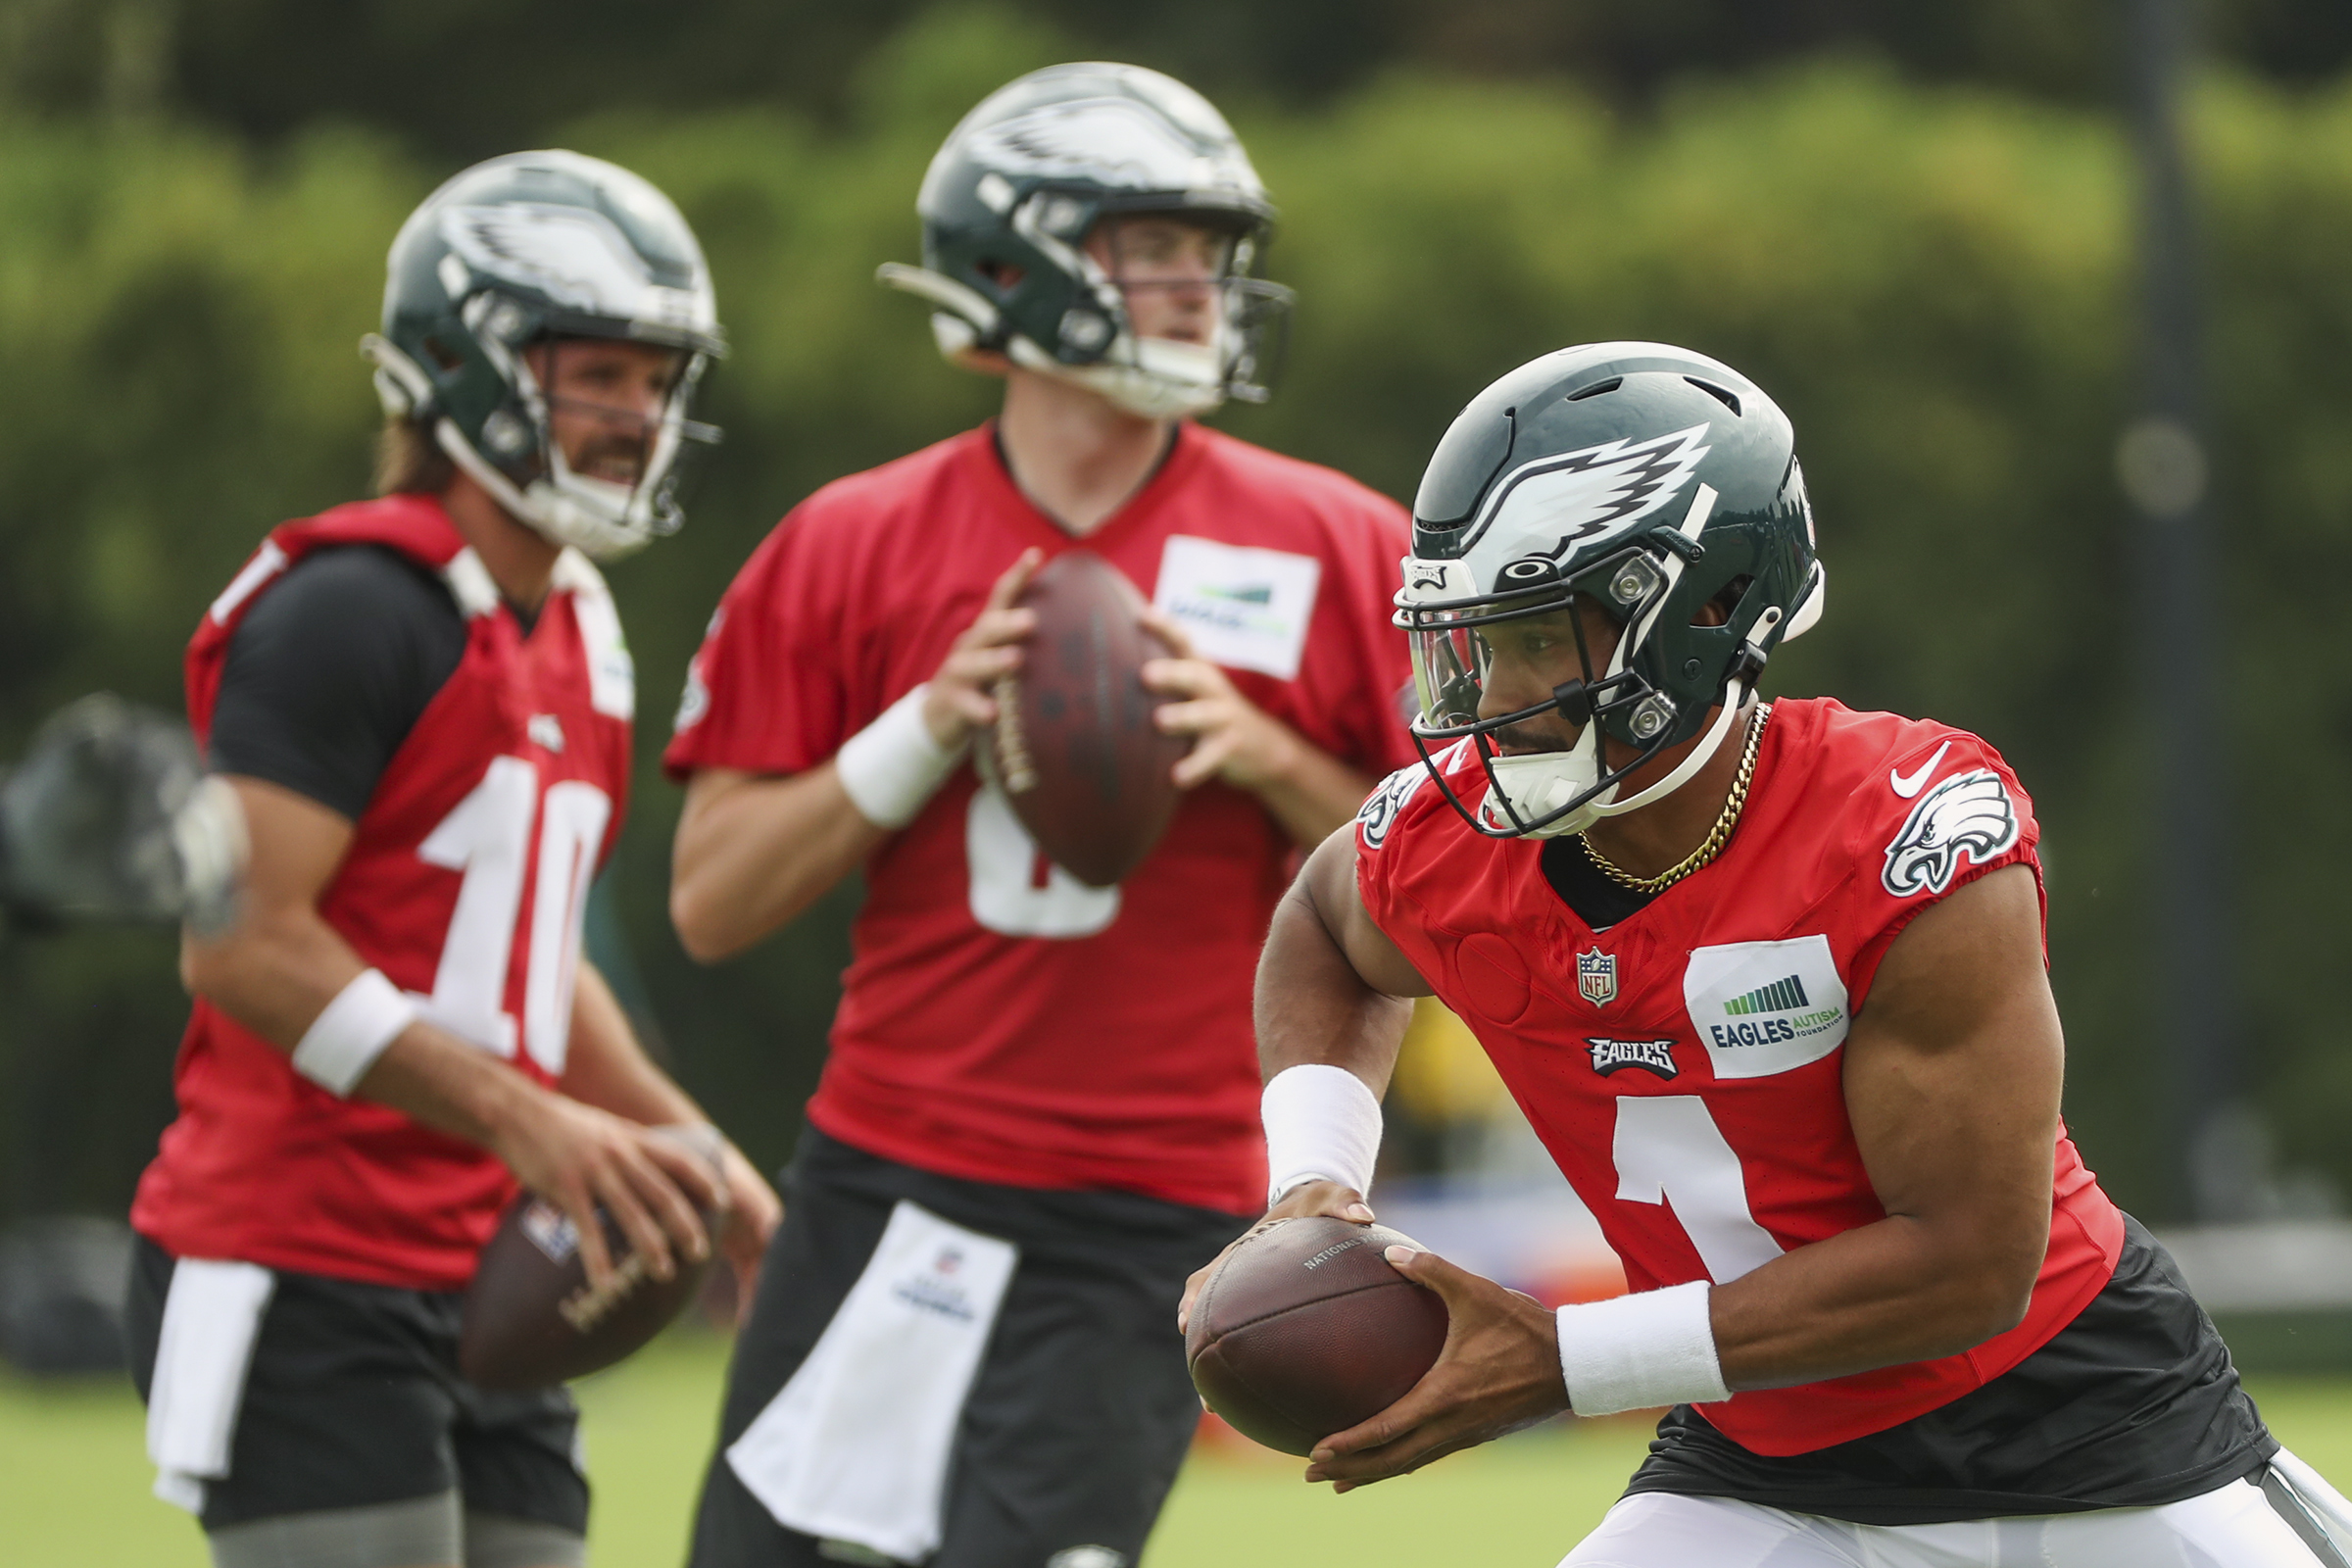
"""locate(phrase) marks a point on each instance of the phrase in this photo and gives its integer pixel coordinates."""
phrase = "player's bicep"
(297, 845)
(280, 962)
(1953, 1069)
(1327, 887)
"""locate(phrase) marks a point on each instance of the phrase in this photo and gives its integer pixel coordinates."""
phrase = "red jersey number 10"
(487, 838)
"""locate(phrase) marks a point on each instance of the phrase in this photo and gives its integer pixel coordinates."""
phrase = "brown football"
(1075, 746)
(531, 1318)
(1305, 1329)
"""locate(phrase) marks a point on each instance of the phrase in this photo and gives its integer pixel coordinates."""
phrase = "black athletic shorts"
(2133, 1404)
(354, 1399)
(1082, 1409)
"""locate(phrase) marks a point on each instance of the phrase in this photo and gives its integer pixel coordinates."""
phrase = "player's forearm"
(275, 976)
(1314, 794)
(608, 1068)
(1897, 1291)
(433, 1077)
(754, 852)
(274, 973)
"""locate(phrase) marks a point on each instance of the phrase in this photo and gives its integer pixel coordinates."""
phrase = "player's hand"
(1233, 738)
(1305, 1201)
(754, 1211)
(1499, 1372)
(960, 698)
(650, 1181)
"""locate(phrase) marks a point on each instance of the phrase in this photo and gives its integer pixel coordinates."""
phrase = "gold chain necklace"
(1717, 836)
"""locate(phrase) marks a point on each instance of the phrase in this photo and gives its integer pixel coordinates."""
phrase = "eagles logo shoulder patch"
(1968, 814)
(1378, 814)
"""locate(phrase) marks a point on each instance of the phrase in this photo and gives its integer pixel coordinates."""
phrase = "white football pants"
(2232, 1527)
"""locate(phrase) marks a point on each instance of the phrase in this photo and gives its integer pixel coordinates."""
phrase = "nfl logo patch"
(1597, 977)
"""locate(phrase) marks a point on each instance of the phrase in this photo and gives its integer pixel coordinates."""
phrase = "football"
(1305, 1329)
(1075, 746)
(531, 1319)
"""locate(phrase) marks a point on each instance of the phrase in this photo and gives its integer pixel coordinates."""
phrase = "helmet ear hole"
(1718, 611)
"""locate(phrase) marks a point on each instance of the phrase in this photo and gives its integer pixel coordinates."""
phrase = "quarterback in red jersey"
(1039, 1111)
(424, 705)
(1768, 981)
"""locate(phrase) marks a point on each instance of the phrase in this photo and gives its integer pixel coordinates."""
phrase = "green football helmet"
(531, 246)
(1007, 204)
(1648, 481)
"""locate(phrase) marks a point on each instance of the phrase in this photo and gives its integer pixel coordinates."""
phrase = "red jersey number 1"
(1670, 1153)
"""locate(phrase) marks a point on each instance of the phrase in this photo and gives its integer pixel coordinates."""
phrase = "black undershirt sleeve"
(331, 669)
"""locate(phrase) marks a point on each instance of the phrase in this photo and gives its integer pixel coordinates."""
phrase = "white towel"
(210, 1317)
(856, 1447)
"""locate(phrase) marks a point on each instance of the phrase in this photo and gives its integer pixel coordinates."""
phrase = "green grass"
(74, 1481)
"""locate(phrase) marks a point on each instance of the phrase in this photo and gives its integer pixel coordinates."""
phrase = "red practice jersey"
(1684, 1066)
(1002, 1021)
(465, 884)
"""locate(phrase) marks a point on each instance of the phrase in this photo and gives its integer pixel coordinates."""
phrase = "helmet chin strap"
(1554, 777)
(1533, 782)
(1166, 380)
(542, 507)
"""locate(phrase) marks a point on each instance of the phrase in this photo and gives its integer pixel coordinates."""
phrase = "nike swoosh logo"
(1908, 787)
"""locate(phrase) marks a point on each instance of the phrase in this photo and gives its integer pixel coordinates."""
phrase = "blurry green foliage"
(1935, 282)
(460, 79)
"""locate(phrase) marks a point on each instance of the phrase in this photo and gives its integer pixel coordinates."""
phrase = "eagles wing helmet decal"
(1969, 813)
(1112, 140)
(575, 256)
(1566, 499)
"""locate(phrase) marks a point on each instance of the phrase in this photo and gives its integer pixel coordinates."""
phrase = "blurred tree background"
(1911, 224)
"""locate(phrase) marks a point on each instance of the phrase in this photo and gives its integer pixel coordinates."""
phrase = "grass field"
(73, 1482)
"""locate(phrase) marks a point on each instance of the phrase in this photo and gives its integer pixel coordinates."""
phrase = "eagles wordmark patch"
(1968, 814)
(1650, 1055)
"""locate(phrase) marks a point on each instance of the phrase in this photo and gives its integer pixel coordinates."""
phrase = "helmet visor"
(1479, 669)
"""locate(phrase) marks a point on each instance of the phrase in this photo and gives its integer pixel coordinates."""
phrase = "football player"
(423, 704)
(1037, 1112)
(1769, 980)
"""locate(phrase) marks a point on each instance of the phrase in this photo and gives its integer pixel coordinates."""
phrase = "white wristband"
(1322, 1124)
(343, 1042)
(893, 767)
(1642, 1351)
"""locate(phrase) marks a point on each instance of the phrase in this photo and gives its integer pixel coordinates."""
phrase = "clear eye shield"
(1508, 673)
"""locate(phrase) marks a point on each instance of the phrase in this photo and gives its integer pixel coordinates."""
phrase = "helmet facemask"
(538, 249)
(602, 518)
(1537, 639)
(1156, 376)
(1091, 339)
(520, 460)
(1011, 196)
